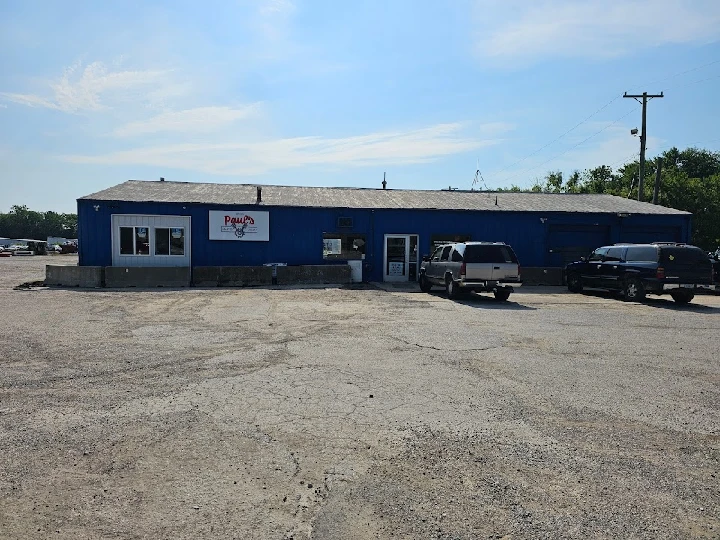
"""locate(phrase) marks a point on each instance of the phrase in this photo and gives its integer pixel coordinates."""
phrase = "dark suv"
(640, 269)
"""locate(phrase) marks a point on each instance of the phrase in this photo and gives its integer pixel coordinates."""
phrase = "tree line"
(22, 222)
(689, 181)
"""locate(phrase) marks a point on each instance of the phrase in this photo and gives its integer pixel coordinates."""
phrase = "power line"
(677, 74)
(607, 105)
(563, 135)
(573, 147)
(694, 82)
(624, 161)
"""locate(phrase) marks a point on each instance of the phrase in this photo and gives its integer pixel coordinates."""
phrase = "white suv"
(472, 266)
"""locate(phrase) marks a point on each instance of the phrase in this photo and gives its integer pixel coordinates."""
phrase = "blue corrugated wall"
(539, 239)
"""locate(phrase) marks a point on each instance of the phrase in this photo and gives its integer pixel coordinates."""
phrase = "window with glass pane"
(126, 241)
(343, 246)
(162, 241)
(142, 241)
(614, 254)
(177, 241)
(642, 253)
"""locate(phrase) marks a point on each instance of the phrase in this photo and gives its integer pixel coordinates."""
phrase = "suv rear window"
(684, 254)
(489, 254)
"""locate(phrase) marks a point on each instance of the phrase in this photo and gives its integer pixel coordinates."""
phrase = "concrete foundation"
(202, 276)
(74, 276)
(313, 274)
(231, 276)
(147, 276)
(542, 276)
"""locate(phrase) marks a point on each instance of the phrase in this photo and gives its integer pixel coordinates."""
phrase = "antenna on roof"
(477, 175)
(478, 178)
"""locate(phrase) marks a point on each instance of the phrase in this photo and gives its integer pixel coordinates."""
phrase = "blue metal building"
(381, 233)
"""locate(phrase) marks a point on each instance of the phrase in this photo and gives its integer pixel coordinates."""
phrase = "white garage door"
(139, 240)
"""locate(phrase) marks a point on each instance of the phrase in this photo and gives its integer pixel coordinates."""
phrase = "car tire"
(501, 296)
(682, 297)
(425, 285)
(634, 290)
(574, 282)
(452, 288)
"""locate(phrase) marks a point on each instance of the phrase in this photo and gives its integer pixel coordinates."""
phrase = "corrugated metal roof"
(333, 197)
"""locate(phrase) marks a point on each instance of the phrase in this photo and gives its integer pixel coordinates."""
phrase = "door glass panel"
(395, 257)
(412, 271)
(614, 254)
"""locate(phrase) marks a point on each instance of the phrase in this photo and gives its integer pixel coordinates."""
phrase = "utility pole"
(656, 192)
(643, 136)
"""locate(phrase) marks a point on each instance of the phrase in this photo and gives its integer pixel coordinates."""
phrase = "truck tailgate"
(505, 272)
(685, 265)
(478, 271)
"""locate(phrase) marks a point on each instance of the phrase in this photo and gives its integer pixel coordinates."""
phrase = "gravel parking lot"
(354, 413)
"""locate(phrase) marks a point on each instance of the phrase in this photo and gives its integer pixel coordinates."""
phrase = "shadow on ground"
(484, 301)
(660, 302)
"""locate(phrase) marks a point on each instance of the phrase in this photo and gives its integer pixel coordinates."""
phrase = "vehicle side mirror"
(426, 258)
(583, 259)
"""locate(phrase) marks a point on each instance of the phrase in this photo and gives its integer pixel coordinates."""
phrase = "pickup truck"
(471, 266)
(637, 270)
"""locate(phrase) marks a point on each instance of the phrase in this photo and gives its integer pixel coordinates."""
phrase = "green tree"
(21, 222)
(690, 181)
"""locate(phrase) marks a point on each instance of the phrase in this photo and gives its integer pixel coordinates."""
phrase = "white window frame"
(134, 253)
(169, 247)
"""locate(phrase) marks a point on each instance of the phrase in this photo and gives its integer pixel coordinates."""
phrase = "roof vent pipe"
(259, 195)
(384, 182)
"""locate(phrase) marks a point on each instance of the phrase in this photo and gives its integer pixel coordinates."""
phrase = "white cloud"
(197, 120)
(87, 89)
(249, 158)
(516, 29)
(272, 7)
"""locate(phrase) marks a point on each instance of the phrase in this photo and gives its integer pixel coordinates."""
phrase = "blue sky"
(329, 93)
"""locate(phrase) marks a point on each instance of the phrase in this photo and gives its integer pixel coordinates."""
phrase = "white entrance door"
(139, 240)
(400, 261)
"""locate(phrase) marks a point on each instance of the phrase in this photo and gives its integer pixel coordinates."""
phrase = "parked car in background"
(471, 266)
(68, 248)
(715, 261)
(640, 269)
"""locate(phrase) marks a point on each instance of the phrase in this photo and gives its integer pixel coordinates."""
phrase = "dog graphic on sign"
(240, 229)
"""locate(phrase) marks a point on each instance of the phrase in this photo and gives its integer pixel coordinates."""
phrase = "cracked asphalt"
(354, 413)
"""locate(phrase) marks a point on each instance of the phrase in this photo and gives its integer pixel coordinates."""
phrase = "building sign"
(396, 269)
(245, 226)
